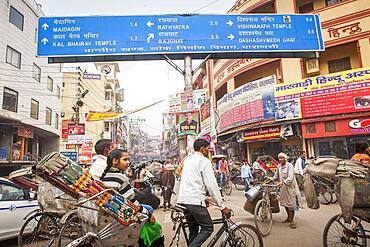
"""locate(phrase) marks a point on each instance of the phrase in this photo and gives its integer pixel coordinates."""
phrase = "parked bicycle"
(236, 234)
(323, 191)
(236, 179)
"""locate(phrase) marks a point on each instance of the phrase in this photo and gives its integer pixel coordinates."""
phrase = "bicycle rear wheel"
(263, 217)
(228, 187)
(339, 233)
(243, 235)
(39, 230)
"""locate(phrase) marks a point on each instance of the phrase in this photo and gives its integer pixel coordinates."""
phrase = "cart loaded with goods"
(352, 183)
(104, 212)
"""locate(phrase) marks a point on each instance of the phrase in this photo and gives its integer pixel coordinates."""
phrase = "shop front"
(272, 140)
(336, 137)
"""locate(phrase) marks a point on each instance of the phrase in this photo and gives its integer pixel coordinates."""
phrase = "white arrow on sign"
(45, 26)
(149, 23)
(229, 23)
(150, 36)
(44, 41)
(231, 37)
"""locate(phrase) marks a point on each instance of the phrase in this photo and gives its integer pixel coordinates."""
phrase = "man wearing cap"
(168, 183)
(196, 180)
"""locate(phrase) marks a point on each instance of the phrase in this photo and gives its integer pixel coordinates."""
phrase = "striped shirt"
(120, 182)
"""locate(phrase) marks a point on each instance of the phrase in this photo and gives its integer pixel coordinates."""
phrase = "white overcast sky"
(147, 81)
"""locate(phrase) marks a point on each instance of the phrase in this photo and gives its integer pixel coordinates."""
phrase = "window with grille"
(16, 18)
(34, 109)
(50, 83)
(339, 65)
(13, 57)
(48, 116)
(331, 2)
(311, 128)
(58, 92)
(56, 121)
(36, 73)
(308, 7)
(330, 126)
(10, 100)
(107, 95)
(106, 126)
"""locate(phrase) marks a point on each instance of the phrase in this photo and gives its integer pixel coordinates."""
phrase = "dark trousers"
(198, 216)
(167, 194)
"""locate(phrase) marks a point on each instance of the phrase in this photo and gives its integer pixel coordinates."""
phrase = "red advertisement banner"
(342, 127)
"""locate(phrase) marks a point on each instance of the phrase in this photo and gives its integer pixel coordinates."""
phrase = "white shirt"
(298, 166)
(98, 166)
(196, 179)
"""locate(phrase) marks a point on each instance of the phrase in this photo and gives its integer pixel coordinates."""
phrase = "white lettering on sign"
(255, 32)
(254, 26)
(223, 47)
(127, 49)
(173, 27)
(160, 48)
(74, 35)
(170, 41)
(79, 43)
(105, 42)
(168, 34)
(282, 26)
(59, 36)
(66, 29)
(167, 19)
(190, 47)
(288, 40)
(91, 35)
(259, 40)
(58, 44)
(64, 21)
(247, 19)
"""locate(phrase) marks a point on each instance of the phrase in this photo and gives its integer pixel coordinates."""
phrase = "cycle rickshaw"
(103, 214)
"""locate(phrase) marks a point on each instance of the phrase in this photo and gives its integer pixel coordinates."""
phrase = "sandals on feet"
(286, 221)
(293, 225)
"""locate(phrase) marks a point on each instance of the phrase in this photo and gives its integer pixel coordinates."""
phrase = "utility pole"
(188, 74)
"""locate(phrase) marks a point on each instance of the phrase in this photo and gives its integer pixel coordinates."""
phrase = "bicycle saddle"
(179, 208)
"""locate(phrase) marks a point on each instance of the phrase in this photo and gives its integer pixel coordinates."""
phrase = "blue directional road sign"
(177, 34)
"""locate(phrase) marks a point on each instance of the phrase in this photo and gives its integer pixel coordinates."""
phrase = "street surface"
(308, 233)
(310, 223)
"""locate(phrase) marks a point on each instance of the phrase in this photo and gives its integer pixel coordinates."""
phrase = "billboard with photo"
(251, 102)
(188, 123)
(331, 94)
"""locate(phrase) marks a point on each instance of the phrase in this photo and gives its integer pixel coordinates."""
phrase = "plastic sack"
(310, 193)
(150, 232)
(46, 197)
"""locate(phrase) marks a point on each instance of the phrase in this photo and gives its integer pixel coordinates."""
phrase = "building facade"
(84, 92)
(323, 128)
(30, 88)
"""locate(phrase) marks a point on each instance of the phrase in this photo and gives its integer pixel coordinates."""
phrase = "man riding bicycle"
(196, 180)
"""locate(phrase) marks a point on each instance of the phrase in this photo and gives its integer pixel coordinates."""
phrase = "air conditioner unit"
(312, 66)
